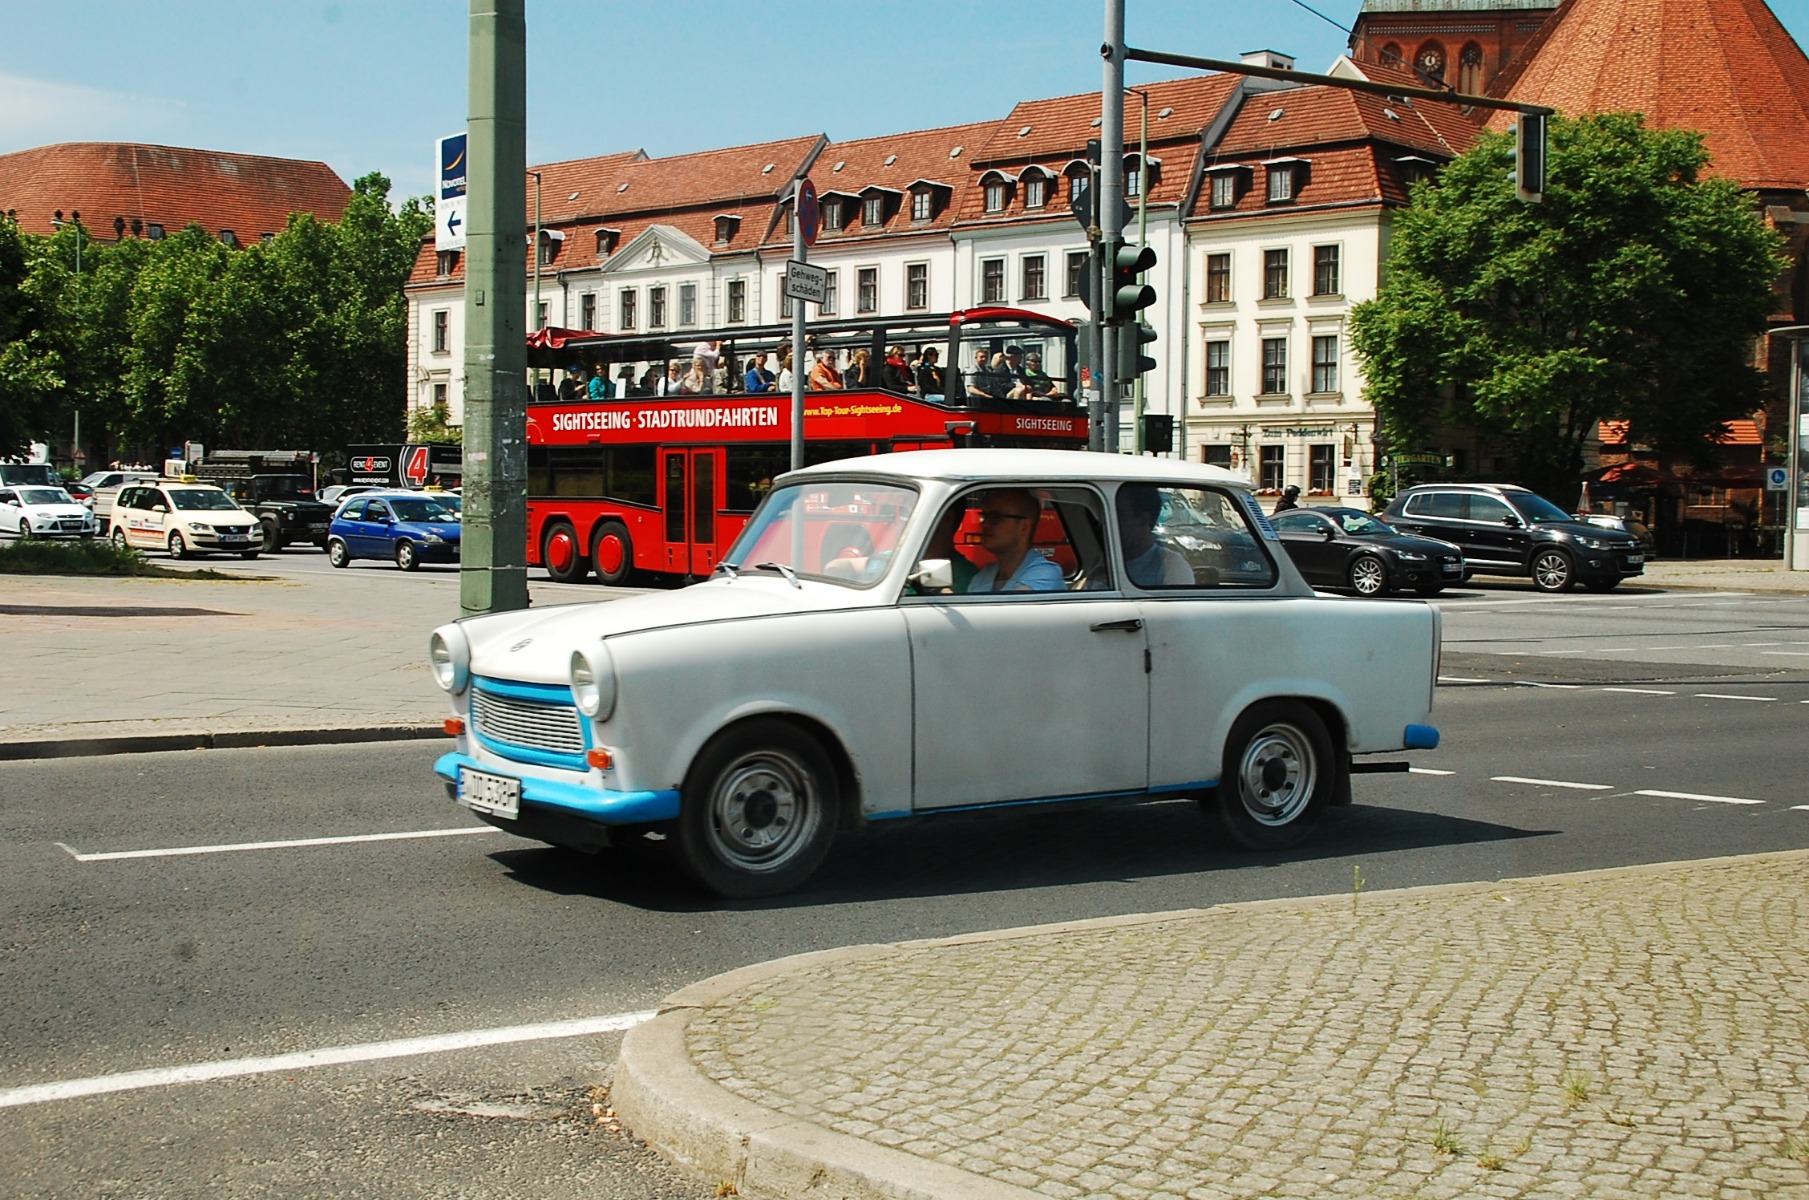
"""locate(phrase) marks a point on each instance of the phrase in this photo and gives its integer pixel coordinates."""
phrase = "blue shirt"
(759, 379)
(599, 388)
(1035, 574)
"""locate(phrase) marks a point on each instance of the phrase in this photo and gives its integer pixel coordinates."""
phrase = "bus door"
(690, 481)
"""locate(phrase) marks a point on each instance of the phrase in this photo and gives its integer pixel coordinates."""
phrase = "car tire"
(407, 557)
(1278, 776)
(1367, 576)
(176, 546)
(273, 538)
(561, 554)
(612, 554)
(338, 553)
(25, 534)
(1553, 570)
(759, 811)
(118, 538)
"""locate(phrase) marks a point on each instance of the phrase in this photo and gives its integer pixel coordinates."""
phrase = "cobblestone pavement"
(1625, 1033)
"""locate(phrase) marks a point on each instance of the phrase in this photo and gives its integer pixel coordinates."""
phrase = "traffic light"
(1132, 361)
(1529, 157)
(1128, 295)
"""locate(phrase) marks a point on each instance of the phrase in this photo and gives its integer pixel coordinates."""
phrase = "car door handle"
(1128, 625)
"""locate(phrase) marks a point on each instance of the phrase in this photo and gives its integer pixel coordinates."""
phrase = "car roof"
(968, 465)
(1467, 487)
(183, 485)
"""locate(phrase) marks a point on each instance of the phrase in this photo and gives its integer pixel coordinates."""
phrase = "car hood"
(1584, 529)
(56, 511)
(535, 645)
(1415, 543)
(449, 530)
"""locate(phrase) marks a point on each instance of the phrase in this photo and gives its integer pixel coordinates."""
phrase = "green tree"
(1633, 292)
(31, 366)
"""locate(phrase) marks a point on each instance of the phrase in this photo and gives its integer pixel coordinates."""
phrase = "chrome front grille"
(530, 724)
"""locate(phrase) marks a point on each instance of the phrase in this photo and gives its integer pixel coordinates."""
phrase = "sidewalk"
(1626, 1033)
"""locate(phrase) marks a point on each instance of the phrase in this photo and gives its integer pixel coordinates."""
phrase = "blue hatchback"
(409, 527)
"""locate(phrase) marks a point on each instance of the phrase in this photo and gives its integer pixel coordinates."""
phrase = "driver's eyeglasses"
(993, 514)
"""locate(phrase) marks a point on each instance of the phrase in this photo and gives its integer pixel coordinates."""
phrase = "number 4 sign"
(414, 471)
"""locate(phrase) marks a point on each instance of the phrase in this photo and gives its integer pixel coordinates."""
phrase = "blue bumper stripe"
(1421, 737)
(596, 804)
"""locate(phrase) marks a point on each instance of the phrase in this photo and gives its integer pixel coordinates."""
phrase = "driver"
(1008, 519)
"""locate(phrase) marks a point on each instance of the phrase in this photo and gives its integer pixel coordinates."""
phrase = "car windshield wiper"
(791, 576)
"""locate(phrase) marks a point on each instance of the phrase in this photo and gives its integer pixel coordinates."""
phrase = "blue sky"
(370, 84)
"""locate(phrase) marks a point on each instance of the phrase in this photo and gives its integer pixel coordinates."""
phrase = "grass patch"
(94, 556)
(1576, 1086)
(1444, 1139)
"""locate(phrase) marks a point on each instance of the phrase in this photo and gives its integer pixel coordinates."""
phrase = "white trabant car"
(30, 511)
(934, 631)
(183, 518)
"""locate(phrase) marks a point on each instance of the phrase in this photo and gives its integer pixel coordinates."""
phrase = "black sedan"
(1348, 548)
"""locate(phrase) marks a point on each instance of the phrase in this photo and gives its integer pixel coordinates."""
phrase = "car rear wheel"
(561, 554)
(1368, 576)
(407, 557)
(118, 538)
(1279, 773)
(177, 547)
(759, 811)
(338, 553)
(273, 538)
(612, 554)
(1553, 571)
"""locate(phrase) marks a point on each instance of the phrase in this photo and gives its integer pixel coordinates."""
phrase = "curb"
(666, 1101)
(235, 740)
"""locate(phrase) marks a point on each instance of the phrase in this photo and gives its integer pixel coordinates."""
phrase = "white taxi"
(183, 518)
(937, 631)
(30, 511)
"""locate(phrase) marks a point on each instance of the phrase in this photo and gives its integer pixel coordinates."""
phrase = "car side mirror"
(1328, 534)
(934, 575)
(1511, 521)
(162, 508)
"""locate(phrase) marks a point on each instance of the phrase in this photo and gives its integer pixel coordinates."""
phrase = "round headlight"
(594, 682)
(450, 655)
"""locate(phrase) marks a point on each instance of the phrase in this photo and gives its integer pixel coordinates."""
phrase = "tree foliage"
(1633, 292)
(296, 342)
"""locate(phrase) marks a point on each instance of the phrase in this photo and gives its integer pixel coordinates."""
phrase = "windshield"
(43, 495)
(841, 530)
(281, 486)
(202, 498)
(1538, 508)
(1360, 524)
(409, 508)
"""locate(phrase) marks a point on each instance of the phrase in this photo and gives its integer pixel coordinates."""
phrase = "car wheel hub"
(1277, 778)
(762, 811)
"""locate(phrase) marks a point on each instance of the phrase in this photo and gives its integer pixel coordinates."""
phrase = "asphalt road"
(207, 953)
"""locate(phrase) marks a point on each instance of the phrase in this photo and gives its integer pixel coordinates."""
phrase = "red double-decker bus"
(662, 484)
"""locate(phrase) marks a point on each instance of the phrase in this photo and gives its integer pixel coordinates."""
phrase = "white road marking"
(1557, 783)
(1428, 771)
(180, 851)
(1459, 679)
(1789, 653)
(100, 1085)
(1639, 691)
(1560, 686)
(1800, 807)
(1695, 796)
(1725, 696)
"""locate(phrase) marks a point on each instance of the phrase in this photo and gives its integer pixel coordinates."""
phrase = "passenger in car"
(1008, 518)
(1147, 562)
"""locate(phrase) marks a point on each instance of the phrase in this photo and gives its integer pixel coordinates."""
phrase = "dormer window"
(1284, 179)
(873, 211)
(998, 192)
(1036, 189)
(606, 241)
(1227, 186)
(1134, 172)
(835, 215)
(1415, 169)
(923, 204)
(446, 262)
(1080, 178)
(726, 227)
(550, 241)
(228, 238)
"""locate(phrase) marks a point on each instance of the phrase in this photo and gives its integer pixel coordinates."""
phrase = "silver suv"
(1507, 530)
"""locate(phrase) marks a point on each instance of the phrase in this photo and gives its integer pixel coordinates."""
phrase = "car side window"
(7, 497)
(1448, 506)
(1199, 538)
(129, 498)
(1489, 510)
(1019, 541)
(377, 511)
(353, 511)
(1299, 521)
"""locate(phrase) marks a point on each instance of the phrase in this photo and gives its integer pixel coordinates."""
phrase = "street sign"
(810, 216)
(449, 194)
(1777, 479)
(805, 282)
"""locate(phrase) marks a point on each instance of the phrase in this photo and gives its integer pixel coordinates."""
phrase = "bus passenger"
(860, 370)
(568, 386)
(1035, 377)
(598, 388)
(784, 380)
(824, 377)
(929, 375)
(982, 383)
(674, 382)
(697, 379)
(759, 379)
(625, 385)
(1008, 518)
(895, 373)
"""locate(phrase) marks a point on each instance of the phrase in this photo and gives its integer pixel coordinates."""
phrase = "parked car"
(1638, 530)
(1348, 548)
(409, 528)
(336, 493)
(80, 492)
(183, 519)
(43, 512)
(833, 672)
(1505, 529)
(107, 485)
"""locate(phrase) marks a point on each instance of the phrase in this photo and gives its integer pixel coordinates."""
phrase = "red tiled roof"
(1726, 68)
(577, 186)
(1737, 433)
(710, 177)
(1060, 127)
(165, 185)
(895, 162)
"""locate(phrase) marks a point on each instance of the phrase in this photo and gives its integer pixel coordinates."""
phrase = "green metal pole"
(493, 573)
(1142, 240)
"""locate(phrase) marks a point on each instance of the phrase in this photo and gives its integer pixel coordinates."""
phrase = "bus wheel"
(612, 554)
(564, 560)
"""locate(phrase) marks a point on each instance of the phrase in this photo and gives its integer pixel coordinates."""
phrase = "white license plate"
(495, 794)
(235, 537)
(1636, 558)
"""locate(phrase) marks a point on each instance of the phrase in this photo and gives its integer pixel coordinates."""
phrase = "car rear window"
(1449, 505)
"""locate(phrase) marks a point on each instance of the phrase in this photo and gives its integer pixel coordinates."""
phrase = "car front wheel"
(759, 811)
(1368, 576)
(25, 531)
(273, 538)
(337, 554)
(1553, 571)
(177, 547)
(1278, 775)
(406, 556)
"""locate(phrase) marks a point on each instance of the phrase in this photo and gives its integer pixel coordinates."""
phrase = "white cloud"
(39, 112)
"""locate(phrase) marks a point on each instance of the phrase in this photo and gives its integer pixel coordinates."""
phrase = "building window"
(917, 285)
(1325, 271)
(875, 213)
(784, 300)
(1281, 182)
(1224, 189)
(445, 261)
(1036, 190)
(1079, 180)
(725, 229)
(992, 281)
(1274, 469)
(1218, 278)
(831, 289)
(540, 315)
(1076, 275)
(1469, 70)
(1036, 277)
(656, 308)
(1133, 177)
(1216, 456)
(923, 204)
(687, 304)
(866, 283)
(1325, 363)
(1218, 367)
(737, 301)
(1319, 468)
(1275, 366)
(834, 216)
(625, 309)
(1275, 274)
(442, 331)
(606, 241)
(547, 245)
(587, 310)
(996, 195)
(439, 397)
